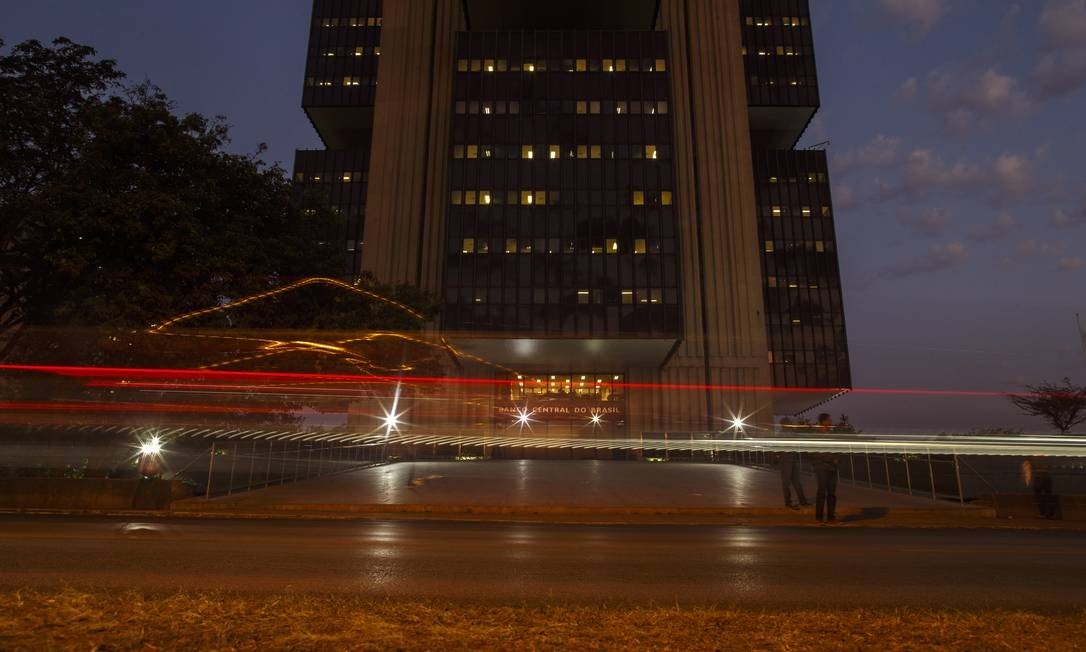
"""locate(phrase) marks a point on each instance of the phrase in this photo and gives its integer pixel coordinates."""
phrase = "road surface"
(519, 562)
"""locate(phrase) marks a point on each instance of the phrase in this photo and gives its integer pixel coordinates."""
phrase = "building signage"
(560, 410)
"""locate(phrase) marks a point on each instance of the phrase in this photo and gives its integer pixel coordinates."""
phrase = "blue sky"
(956, 147)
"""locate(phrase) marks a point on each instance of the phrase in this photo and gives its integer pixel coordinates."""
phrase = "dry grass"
(124, 620)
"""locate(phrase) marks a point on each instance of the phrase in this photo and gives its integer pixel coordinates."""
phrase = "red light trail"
(159, 374)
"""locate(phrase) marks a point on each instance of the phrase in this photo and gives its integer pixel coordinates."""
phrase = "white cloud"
(882, 151)
(1035, 249)
(919, 16)
(997, 230)
(923, 171)
(931, 222)
(1061, 69)
(939, 257)
(964, 99)
(1061, 219)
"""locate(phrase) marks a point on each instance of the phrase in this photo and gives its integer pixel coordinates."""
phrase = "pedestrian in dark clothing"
(1036, 472)
(825, 468)
(790, 468)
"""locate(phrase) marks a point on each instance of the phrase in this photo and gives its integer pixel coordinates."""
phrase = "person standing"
(825, 468)
(1036, 472)
(789, 465)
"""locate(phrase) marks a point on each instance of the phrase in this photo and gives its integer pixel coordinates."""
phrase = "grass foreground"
(123, 620)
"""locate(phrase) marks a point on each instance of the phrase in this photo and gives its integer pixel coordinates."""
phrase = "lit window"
(771, 281)
(661, 107)
(482, 247)
(487, 152)
(469, 197)
(345, 177)
(772, 179)
(825, 211)
(595, 151)
(540, 197)
(351, 81)
(620, 107)
(650, 151)
(820, 246)
(656, 296)
(316, 177)
(484, 197)
(582, 65)
(462, 65)
(805, 211)
(526, 198)
(488, 108)
(529, 66)
(526, 151)
(638, 198)
(514, 108)
(554, 151)
(594, 107)
(468, 246)
(476, 65)
(583, 296)
(665, 198)
(473, 151)
(582, 107)
(776, 211)
(612, 246)
(627, 297)
(377, 50)
(525, 246)
(503, 65)
(480, 295)
(661, 65)
(620, 65)
(457, 198)
(597, 249)
(608, 65)
(582, 151)
(639, 246)
(458, 151)
(510, 245)
(488, 65)
(769, 246)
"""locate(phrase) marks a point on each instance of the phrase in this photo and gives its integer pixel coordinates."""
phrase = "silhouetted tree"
(1062, 405)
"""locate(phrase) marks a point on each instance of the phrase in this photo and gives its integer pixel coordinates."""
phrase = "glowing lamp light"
(738, 423)
(151, 447)
(596, 419)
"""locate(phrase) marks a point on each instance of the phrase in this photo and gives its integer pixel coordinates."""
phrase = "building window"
(469, 197)
(661, 65)
(595, 151)
(612, 245)
(805, 211)
(771, 281)
(484, 197)
(776, 211)
(468, 246)
(458, 151)
(457, 198)
(583, 296)
(473, 151)
(582, 107)
(638, 198)
(582, 65)
(608, 65)
(769, 246)
(526, 151)
(510, 245)
(627, 297)
(640, 246)
(650, 151)
(825, 211)
(665, 198)
(554, 151)
(620, 108)
(526, 198)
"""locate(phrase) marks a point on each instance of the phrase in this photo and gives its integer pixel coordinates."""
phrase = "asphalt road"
(519, 563)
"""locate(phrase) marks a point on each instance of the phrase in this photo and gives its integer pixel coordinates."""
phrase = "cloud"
(997, 230)
(939, 257)
(1035, 249)
(1070, 264)
(931, 222)
(964, 98)
(844, 197)
(918, 16)
(882, 151)
(923, 171)
(1061, 68)
(1061, 219)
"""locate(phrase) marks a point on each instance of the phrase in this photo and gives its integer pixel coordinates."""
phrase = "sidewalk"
(586, 491)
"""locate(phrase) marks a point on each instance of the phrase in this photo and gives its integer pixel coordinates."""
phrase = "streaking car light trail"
(287, 377)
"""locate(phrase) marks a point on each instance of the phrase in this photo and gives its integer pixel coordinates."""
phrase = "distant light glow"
(152, 446)
(596, 419)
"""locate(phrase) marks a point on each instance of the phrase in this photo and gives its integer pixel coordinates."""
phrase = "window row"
(359, 51)
(561, 65)
(580, 385)
(555, 152)
(559, 246)
(780, 51)
(585, 296)
(796, 211)
(372, 21)
(812, 177)
(340, 177)
(817, 246)
(755, 80)
(572, 107)
(784, 21)
(543, 197)
(791, 283)
(348, 81)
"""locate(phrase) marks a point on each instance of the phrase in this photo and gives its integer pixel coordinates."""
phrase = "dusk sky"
(956, 151)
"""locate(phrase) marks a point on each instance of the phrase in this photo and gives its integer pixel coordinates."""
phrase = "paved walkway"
(572, 484)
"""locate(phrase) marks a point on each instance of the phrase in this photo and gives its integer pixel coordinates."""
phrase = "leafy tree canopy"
(116, 211)
(1063, 405)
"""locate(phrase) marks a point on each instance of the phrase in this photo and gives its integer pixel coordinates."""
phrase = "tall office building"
(605, 195)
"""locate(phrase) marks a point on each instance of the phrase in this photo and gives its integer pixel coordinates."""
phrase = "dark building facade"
(605, 195)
